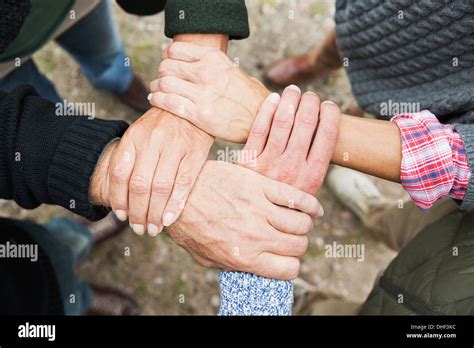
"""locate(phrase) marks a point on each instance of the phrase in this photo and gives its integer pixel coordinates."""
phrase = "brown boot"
(108, 301)
(136, 96)
(104, 229)
(317, 63)
(291, 70)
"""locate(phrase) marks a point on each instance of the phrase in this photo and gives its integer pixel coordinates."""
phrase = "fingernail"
(154, 230)
(295, 88)
(321, 211)
(121, 215)
(329, 102)
(138, 229)
(149, 96)
(274, 98)
(168, 219)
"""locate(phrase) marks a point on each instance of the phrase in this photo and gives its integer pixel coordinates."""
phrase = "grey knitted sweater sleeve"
(467, 134)
(419, 53)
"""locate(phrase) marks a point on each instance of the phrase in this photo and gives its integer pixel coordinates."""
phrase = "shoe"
(136, 95)
(291, 70)
(107, 301)
(104, 229)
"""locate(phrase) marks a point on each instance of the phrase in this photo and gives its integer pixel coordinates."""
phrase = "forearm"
(219, 41)
(369, 146)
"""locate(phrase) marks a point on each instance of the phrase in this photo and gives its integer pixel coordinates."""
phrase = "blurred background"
(163, 278)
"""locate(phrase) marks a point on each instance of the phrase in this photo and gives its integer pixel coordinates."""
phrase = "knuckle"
(161, 187)
(173, 49)
(287, 173)
(183, 182)
(283, 123)
(301, 245)
(293, 269)
(170, 102)
(118, 175)
(165, 84)
(249, 236)
(139, 185)
(164, 67)
(308, 119)
(306, 224)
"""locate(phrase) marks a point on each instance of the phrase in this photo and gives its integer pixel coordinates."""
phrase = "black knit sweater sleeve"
(45, 158)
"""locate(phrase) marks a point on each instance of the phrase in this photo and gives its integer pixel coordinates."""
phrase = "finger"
(119, 173)
(327, 134)
(290, 221)
(174, 85)
(186, 51)
(287, 244)
(140, 187)
(177, 68)
(262, 124)
(290, 197)
(162, 186)
(177, 105)
(276, 266)
(283, 121)
(188, 171)
(305, 125)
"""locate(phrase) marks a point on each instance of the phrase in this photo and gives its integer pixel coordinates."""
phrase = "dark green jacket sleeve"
(196, 16)
(207, 17)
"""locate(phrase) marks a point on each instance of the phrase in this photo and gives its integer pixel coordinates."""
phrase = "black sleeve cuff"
(74, 161)
(207, 17)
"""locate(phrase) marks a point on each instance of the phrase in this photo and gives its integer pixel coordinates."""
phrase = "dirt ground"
(164, 278)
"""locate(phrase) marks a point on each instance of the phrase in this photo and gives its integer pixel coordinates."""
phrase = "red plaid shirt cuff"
(434, 162)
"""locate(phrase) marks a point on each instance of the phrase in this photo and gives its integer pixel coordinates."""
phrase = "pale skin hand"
(202, 85)
(369, 146)
(248, 230)
(282, 139)
(154, 168)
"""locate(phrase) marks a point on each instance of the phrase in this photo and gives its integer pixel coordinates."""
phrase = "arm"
(369, 146)
(46, 158)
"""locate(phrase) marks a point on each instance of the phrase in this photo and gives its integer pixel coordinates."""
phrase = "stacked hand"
(153, 169)
(203, 86)
(234, 219)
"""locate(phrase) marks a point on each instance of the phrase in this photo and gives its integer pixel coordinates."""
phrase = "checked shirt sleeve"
(434, 161)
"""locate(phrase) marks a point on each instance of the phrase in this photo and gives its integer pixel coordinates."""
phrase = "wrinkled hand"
(203, 86)
(236, 219)
(154, 168)
(281, 145)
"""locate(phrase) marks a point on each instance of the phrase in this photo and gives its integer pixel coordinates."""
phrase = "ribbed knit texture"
(45, 158)
(419, 52)
(207, 17)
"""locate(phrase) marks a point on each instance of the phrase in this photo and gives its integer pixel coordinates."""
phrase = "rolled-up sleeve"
(207, 17)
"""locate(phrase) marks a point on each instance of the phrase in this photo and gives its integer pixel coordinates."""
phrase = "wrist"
(98, 183)
(219, 41)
